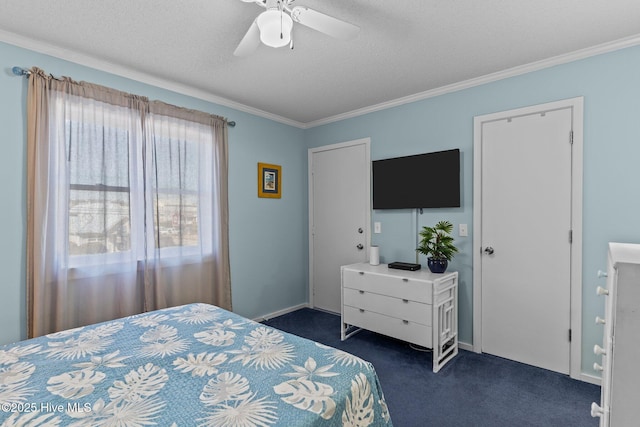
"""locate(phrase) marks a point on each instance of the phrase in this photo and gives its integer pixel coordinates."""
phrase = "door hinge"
(570, 236)
(569, 335)
(570, 137)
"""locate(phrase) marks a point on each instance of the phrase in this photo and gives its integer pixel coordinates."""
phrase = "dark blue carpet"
(471, 390)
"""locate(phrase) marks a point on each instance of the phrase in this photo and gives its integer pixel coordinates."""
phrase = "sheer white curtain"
(127, 205)
(187, 196)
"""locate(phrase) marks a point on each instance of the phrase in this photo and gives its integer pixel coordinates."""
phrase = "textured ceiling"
(403, 48)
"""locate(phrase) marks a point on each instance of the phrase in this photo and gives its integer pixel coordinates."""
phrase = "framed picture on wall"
(269, 180)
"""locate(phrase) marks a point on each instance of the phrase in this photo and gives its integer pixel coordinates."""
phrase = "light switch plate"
(462, 230)
(377, 227)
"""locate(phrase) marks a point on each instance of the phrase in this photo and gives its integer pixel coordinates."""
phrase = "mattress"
(193, 365)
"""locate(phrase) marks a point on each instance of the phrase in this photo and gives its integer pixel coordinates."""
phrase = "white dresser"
(620, 349)
(419, 307)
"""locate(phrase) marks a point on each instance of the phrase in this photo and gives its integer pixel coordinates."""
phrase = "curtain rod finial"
(20, 71)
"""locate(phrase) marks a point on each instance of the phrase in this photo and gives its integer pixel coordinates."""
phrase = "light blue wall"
(268, 236)
(610, 84)
(269, 244)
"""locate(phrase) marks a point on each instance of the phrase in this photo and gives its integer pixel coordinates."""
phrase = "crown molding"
(109, 67)
(488, 78)
(130, 73)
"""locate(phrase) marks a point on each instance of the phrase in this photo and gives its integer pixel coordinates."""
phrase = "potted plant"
(437, 244)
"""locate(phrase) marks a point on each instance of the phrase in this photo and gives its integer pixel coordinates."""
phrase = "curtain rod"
(19, 71)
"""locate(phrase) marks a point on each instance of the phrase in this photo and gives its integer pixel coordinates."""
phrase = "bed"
(193, 365)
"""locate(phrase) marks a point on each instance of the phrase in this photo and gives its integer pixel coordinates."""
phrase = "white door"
(339, 204)
(525, 245)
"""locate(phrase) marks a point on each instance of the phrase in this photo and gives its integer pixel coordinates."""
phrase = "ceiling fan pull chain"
(281, 6)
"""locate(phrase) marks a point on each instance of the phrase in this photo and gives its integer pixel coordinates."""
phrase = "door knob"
(488, 250)
(360, 247)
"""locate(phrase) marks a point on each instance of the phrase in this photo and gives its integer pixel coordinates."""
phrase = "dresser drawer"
(394, 286)
(393, 307)
(402, 329)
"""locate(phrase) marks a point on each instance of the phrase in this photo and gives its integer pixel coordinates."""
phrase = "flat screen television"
(429, 180)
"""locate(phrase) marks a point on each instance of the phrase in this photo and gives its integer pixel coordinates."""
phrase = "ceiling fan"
(273, 26)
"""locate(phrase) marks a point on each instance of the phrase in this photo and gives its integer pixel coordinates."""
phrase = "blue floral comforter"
(193, 365)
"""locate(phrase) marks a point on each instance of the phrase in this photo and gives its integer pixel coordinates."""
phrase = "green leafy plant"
(436, 242)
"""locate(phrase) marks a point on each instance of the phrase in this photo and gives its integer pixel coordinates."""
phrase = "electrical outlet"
(462, 230)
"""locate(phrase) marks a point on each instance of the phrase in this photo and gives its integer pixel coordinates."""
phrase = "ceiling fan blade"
(249, 42)
(324, 23)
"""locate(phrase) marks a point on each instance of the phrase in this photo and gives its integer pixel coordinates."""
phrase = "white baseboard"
(588, 378)
(280, 312)
(465, 346)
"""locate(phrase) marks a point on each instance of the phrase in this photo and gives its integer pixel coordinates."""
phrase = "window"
(99, 189)
(175, 195)
(126, 205)
(119, 186)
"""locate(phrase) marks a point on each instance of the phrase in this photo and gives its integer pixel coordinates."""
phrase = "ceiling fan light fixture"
(275, 28)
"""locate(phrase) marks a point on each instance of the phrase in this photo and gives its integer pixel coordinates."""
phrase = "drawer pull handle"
(362, 292)
(597, 367)
(602, 291)
(596, 410)
(406, 301)
(362, 310)
(600, 320)
(597, 350)
(361, 273)
(404, 279)
(406, 322)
